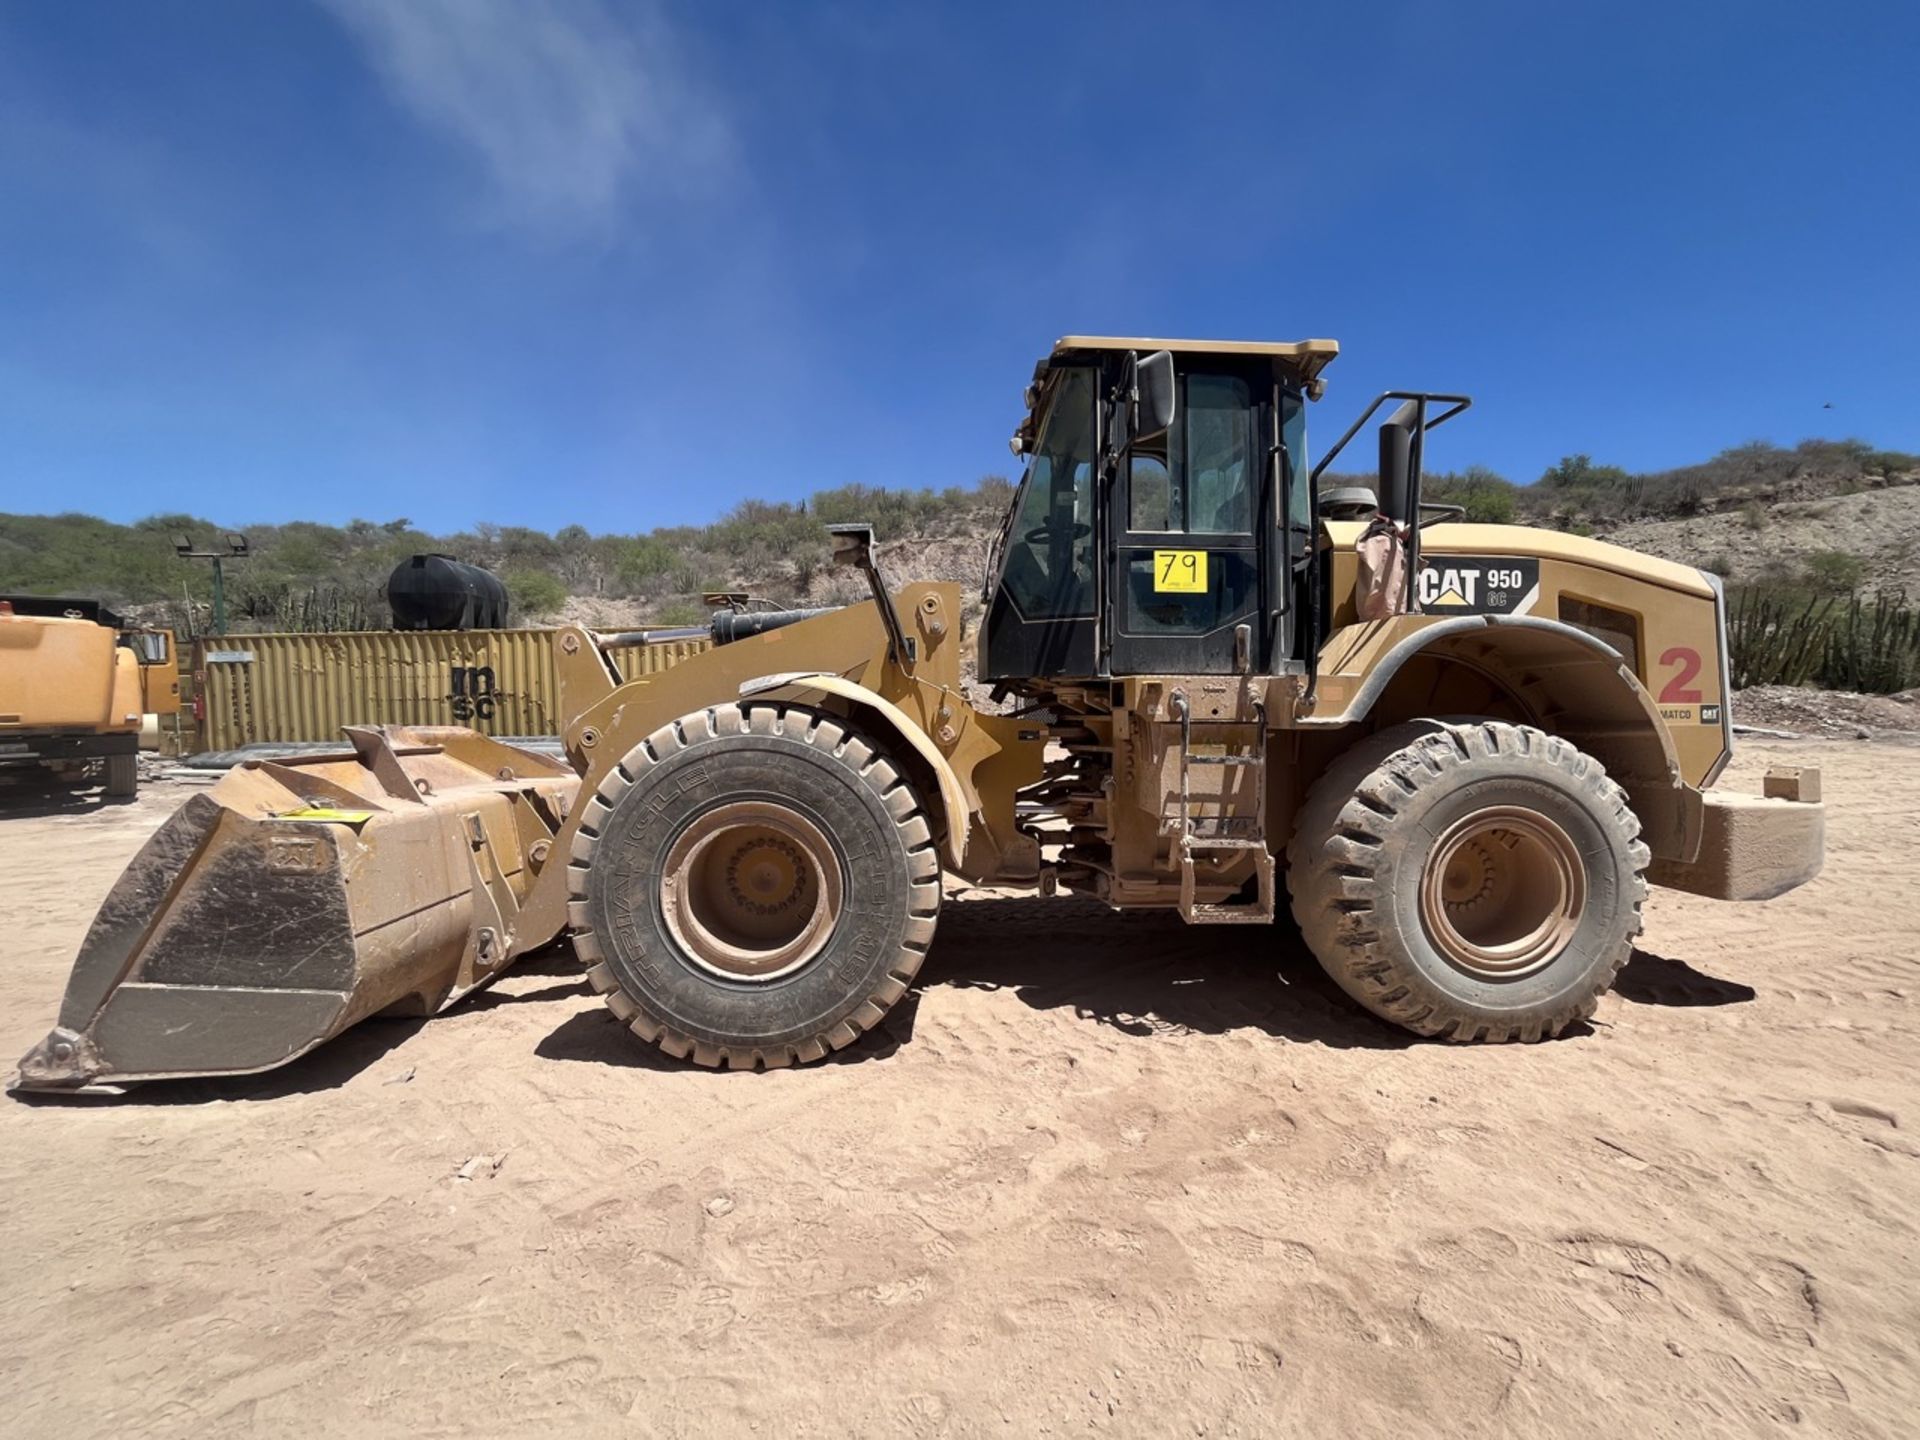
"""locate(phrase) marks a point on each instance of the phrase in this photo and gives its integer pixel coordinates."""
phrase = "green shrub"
(1487, 498)
(681, 612)
(639, 560)
(1576, 483)
(534, 593)
(1889, 462)
(1835, 572)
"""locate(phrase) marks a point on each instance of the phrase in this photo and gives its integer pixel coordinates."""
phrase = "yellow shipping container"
(299, 688)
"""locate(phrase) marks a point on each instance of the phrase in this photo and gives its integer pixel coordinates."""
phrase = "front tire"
(753, 886)
(1474, 880)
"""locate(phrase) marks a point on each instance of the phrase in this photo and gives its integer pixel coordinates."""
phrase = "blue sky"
(625, 264)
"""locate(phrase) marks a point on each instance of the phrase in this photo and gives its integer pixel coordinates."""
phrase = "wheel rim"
(751, 891)
(1503, 892)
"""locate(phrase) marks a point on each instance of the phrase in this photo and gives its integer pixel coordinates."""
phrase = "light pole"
(236, 550)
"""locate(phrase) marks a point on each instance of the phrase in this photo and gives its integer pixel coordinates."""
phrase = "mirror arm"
(1281, 465)
(1122, 408)
(1445, 513)
(853, 545)
(1454, 403)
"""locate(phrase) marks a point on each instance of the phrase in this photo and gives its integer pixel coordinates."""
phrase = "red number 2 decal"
(1679, 690)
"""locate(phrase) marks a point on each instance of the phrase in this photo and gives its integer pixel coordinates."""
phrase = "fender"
(953, 794)
(1614, 719)
(1419, 639)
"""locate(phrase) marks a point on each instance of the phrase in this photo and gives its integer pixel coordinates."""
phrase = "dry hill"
(1822, 533)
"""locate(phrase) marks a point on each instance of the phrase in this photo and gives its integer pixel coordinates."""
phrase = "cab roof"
(58, 607)
(1305, 358)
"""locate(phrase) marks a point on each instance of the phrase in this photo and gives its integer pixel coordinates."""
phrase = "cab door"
(1186, 526)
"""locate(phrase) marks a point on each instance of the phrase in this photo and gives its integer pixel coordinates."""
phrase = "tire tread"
(1347, 820)
(865, 762)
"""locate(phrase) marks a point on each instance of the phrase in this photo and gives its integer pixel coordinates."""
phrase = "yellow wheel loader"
(1463, 750)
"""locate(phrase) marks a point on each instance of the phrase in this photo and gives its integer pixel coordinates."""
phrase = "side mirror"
(852, 544)
(1396, 463)
(1153, 382)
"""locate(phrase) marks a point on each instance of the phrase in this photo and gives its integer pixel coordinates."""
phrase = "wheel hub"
(751, 890)
(1503, 892)
(766, 875)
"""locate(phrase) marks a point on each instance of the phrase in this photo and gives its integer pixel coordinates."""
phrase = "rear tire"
(123, 776)
(753, 886)
(1474, 880)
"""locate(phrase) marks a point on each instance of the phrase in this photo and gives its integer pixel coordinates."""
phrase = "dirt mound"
(1829, 713)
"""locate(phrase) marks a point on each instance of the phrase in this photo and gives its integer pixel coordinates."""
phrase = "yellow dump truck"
(77, 688)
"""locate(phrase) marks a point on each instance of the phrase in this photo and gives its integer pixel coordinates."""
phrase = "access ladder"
(1192, 842)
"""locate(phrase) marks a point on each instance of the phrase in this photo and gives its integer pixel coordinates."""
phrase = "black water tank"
(437, 592)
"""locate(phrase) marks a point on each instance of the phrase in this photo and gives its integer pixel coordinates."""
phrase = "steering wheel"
(1044, 534)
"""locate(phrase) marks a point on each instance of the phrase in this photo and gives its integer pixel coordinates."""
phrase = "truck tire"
(1474, 880)
(123, 776)
(753, 886)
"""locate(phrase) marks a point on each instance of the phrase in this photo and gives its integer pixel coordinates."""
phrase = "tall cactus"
(1779, 637)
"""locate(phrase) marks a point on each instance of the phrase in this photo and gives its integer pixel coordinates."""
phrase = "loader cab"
(1163, 516)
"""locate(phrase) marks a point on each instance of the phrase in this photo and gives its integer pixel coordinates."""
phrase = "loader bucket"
(296, 898)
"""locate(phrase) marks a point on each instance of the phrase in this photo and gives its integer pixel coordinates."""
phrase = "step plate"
(1260, 912)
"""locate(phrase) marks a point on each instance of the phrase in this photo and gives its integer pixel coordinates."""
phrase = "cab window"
(1293, 433)
(151, 646)
(1207, 489)
(1219, 489)
(1049, 569)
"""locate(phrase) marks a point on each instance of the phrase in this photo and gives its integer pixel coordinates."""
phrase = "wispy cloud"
(572, 109)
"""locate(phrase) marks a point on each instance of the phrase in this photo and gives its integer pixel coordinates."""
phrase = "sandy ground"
(1105, 1174)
